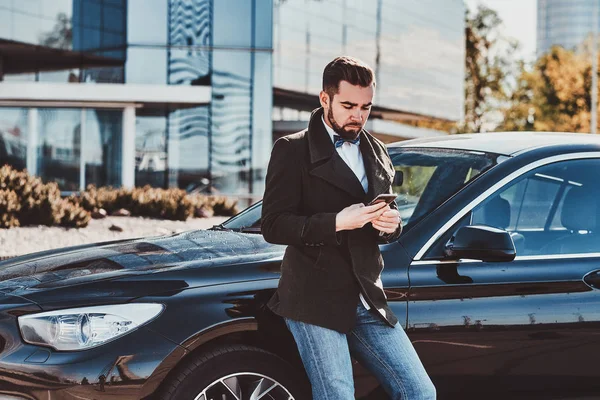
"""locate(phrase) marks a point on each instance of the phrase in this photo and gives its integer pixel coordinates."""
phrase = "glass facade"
(203, 42)
(77, 147)
(564, 23)
(94, 26)
(102, 147)
(225, 44)
(415, 47)
(13, 136)
(59, 149)
(241, 49)
(188, 147)
(240, 92)
(151, 149)
(189, 56)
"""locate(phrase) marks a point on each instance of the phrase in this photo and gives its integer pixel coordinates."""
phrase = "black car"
(184, 317)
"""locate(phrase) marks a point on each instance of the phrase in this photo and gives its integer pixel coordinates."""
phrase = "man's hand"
(388, 222)
(357, 215)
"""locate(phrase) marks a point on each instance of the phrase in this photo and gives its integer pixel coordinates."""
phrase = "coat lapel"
(379, 173)
(328, 165)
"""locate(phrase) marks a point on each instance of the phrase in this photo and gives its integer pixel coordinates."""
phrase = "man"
(330, 292)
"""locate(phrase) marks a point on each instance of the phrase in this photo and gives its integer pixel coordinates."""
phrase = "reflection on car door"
(528, 325)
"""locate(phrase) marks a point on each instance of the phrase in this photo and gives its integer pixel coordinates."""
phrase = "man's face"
(348, 111)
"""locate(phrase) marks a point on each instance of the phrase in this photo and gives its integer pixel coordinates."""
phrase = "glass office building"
(416, 48)
(136, 92)
(564, 23)
(173, 93)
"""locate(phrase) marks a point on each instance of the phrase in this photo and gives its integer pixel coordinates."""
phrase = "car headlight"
(85, 327)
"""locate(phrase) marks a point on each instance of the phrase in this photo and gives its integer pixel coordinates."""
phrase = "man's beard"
(340, 130)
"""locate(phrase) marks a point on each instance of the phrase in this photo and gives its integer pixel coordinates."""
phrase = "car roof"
(505, 143)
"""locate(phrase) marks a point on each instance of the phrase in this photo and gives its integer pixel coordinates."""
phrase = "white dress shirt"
(352, 156)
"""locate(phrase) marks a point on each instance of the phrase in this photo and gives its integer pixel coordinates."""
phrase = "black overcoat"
(322, 272)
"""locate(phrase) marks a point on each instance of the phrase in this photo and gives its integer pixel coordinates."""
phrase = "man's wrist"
(338, 225)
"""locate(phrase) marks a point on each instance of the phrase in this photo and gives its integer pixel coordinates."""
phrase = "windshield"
(249, 218)
(425, 178)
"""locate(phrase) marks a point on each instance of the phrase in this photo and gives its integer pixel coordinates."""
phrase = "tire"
(251, 369)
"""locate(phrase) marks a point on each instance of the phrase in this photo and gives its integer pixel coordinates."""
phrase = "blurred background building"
(565, 23)
(178, 93)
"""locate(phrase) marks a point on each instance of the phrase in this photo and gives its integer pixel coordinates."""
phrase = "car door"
(486, 329)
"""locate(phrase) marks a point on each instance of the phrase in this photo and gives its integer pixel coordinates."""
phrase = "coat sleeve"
(282, 221)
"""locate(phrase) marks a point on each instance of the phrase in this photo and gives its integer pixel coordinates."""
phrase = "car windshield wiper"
(220, 227)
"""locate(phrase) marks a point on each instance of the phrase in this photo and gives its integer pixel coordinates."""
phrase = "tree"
(553, 96)
(489, 65)
(61, 36)
(518, 115)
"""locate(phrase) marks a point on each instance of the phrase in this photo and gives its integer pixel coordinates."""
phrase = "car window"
(535, 197)
(432, 176)
(429, 177)
(556, 223)
(554, 209)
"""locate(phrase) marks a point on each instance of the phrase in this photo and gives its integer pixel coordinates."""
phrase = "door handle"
(592, 279)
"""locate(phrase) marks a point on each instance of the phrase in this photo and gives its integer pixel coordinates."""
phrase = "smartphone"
(385, 197)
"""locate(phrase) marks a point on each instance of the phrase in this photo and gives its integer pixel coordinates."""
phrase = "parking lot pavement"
(29, 239)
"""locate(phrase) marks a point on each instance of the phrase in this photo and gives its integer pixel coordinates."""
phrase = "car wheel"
(237, 373)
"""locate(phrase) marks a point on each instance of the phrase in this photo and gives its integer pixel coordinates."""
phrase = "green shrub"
(9, 207)
(105, 197)
(146, 201)
(39, 203)
(74, 216)
(172, 204)
(26, 200)
(201, 205)
(224, 206)
(214, 205)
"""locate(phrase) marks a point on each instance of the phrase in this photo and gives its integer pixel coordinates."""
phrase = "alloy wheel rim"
(245, 386)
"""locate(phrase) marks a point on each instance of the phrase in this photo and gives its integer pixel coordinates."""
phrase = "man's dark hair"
(349, 69)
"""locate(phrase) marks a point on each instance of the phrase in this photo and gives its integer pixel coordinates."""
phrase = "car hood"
(92, 264)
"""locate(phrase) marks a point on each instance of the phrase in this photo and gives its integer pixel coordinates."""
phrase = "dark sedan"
(495, 278)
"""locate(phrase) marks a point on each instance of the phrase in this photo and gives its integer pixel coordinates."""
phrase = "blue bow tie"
(338, 141)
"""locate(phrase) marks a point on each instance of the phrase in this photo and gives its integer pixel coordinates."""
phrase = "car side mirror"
(481, 242)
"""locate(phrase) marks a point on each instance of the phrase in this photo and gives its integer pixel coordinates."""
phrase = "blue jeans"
(385, 351)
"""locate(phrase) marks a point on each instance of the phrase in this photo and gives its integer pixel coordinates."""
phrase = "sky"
(519, 21)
